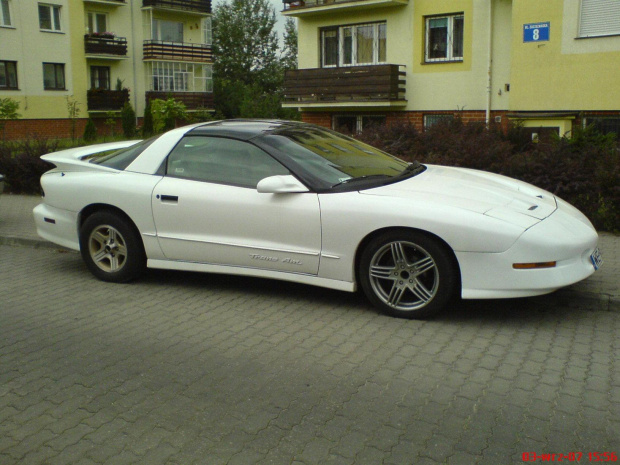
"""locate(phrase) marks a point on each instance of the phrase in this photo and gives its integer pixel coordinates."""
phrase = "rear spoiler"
(73, 159)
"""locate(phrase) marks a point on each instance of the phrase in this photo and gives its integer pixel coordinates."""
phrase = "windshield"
(121, 159)
(332, 157)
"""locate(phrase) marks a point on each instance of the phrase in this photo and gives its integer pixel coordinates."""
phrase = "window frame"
(55, 17)
(4, 21)
(379, 31)
(7, 74)
(431, 119)
(450, 33)
(362, 121)
(598, 20)
(156, 32)
(164, 76)
(92, 23)
(57, 67)
(95, 77)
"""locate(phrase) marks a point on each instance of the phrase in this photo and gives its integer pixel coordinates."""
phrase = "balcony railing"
(317, 7)
(378, 83)
(108, 2)
(102, 45)
(191, 100)
(199, 6)
(106, 100)
(159, 50)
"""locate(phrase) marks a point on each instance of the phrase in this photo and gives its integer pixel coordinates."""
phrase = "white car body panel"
(279, 232)
(490, 222)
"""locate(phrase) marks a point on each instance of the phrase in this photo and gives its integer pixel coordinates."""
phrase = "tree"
(74, 112)
(289, 50)
(8, 110)
(245, 44)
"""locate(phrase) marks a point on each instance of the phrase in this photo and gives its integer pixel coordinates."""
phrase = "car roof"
(244, 129)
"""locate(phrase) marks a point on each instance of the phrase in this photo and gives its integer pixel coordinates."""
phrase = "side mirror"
(280, 185)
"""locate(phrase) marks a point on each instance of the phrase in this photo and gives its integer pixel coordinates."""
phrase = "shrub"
(90, 131)
(147, 123)
(22, 166)
(128, 121)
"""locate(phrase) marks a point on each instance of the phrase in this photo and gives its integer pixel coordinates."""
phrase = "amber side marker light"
(533, 266)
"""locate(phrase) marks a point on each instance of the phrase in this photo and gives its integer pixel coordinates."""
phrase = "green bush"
(90, 131)
(128, 121)
(147, 123)
(22, 166)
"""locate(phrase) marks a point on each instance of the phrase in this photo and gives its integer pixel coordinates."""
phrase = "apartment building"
(101, 54)
(549, 64)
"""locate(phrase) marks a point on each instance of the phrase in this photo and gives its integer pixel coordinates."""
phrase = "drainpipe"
(133, 59)
(488, 109)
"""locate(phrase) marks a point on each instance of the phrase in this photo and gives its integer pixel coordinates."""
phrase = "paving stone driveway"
(183, 368)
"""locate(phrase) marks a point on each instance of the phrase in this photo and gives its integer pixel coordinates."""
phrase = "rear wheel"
(408, 274)
(111, 248)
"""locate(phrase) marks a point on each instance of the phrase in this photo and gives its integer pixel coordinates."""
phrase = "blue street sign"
(536, 32)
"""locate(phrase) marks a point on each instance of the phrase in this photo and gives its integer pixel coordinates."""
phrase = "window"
(222, 161)
(122, 158)
(605, 125)
(432, 120)
(53, 76)
(207, 31)
(97, 23)
(8, 75)
(359, 44)
(444, 38)
(49, 17)
(181, 77)
(355, 124)
(100, 77)
(5, 13)
(168, 31)
(599, 18)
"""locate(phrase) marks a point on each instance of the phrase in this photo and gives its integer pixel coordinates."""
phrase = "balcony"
(191, 100)
(178, 51)
(107, 2)
(201, 7)
(308, 8)
(356, 86)
(104, 46)
(106, 100)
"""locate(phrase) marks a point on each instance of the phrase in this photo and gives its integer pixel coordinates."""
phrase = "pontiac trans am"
(296, 202)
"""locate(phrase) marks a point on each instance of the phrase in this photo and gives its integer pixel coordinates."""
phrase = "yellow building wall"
(30, 47)
(431, 86)
(565, 73)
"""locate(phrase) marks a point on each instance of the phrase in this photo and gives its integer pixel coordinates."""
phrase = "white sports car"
(297, 202)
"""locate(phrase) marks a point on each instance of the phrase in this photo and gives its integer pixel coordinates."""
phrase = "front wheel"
(111, 248)
(408, 274)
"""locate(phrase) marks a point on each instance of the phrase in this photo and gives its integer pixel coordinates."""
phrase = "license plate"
(596, 258)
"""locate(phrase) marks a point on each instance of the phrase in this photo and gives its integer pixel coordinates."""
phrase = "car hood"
(485, 193)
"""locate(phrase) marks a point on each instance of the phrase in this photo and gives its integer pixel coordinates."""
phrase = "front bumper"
(57, 225)
(565, 237)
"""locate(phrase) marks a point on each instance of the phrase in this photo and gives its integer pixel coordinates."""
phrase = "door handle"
(169, 198)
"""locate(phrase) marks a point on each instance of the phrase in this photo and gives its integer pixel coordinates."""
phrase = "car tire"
(408, 274)
(111, 247)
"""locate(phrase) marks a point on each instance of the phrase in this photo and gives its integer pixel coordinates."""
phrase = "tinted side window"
(222, 161)
(121, 159)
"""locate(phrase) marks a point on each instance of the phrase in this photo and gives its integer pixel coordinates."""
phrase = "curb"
(32, 243)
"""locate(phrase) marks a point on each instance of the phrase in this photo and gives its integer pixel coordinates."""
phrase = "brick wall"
(54, 128)
(414, 117)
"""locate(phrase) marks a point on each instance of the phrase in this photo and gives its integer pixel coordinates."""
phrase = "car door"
(207, 209)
